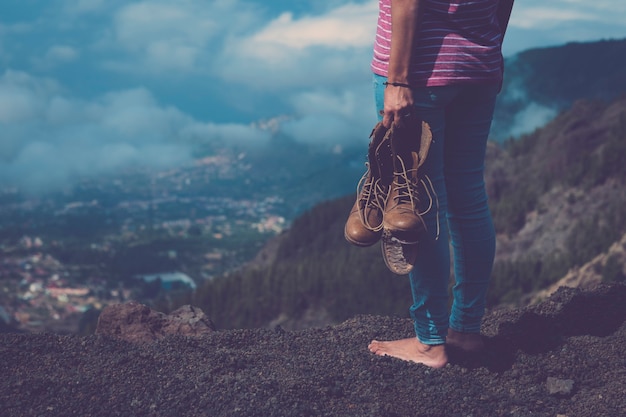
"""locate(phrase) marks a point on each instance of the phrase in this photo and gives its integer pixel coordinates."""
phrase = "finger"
(388, 119)
(398, 117)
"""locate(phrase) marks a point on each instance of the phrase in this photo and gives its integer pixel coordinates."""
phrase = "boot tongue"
(412, 141)
(378, 135)
(384, 159)
(426, 138)
(406, 144)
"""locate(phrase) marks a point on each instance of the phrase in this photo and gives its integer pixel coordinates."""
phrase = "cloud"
(7, 32)
(234, 39)
(330, 118)
(85, 6)
(56, 55)
(537, 23)
(166, 36)
(540, 15)
(532, 117)
(16, 28)
(21, 96)
(173, 38)
(227, 135)
(347, 26)
(61, 53)
(547, 17)
(50, 140)
(289, 52)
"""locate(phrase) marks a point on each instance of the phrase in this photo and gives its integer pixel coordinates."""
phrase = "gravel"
(563, 357)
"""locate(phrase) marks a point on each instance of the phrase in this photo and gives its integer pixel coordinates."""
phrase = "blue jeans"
(460, 118)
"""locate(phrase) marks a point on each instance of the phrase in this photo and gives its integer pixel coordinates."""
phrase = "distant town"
(109, 240)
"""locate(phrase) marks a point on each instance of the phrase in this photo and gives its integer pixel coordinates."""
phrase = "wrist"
(397, 84)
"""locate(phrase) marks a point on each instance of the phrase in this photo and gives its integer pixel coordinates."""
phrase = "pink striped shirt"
(459, 41)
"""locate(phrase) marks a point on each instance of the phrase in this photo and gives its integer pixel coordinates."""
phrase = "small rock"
(558, 386)
(135, 322)
(188, 321)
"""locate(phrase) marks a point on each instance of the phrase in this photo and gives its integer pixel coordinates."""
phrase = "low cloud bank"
(50, 139)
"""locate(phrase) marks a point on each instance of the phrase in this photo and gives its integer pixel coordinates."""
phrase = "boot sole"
(398, 256)
(359, 243)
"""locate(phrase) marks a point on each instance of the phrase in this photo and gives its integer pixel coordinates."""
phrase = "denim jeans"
(460, 118)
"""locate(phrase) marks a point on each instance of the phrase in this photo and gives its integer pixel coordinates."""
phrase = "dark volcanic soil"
(564, 357)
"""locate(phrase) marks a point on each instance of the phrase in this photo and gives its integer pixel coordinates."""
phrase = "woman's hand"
(398, 105)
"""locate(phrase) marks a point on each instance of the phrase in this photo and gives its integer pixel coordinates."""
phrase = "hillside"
(540, 83)
(563, 357)
(557, 197)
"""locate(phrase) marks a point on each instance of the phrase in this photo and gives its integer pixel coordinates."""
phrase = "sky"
(90, 87)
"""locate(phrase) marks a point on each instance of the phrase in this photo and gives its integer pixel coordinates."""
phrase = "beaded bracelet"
(397, 84)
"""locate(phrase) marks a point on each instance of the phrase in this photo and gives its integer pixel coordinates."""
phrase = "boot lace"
(407, 192)
(372, 194)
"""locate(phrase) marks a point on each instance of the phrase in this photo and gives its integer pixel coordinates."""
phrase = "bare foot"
(467, 342)
(412, 350)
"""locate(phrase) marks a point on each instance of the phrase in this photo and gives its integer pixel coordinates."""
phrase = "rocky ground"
(563, 357)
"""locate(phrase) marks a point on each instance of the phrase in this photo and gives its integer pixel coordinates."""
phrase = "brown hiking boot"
(409, 144)
(365, 221)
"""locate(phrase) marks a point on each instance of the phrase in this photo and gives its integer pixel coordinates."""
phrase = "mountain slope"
(557, 198)
(540, 83)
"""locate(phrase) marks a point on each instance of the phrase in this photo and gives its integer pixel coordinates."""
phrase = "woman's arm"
(405, 20)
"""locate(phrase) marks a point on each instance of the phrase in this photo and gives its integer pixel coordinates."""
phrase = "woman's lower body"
(460, 118)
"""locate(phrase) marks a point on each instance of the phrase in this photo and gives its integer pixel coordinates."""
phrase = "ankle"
(436, 354)
(431, 348)
(469, 342)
